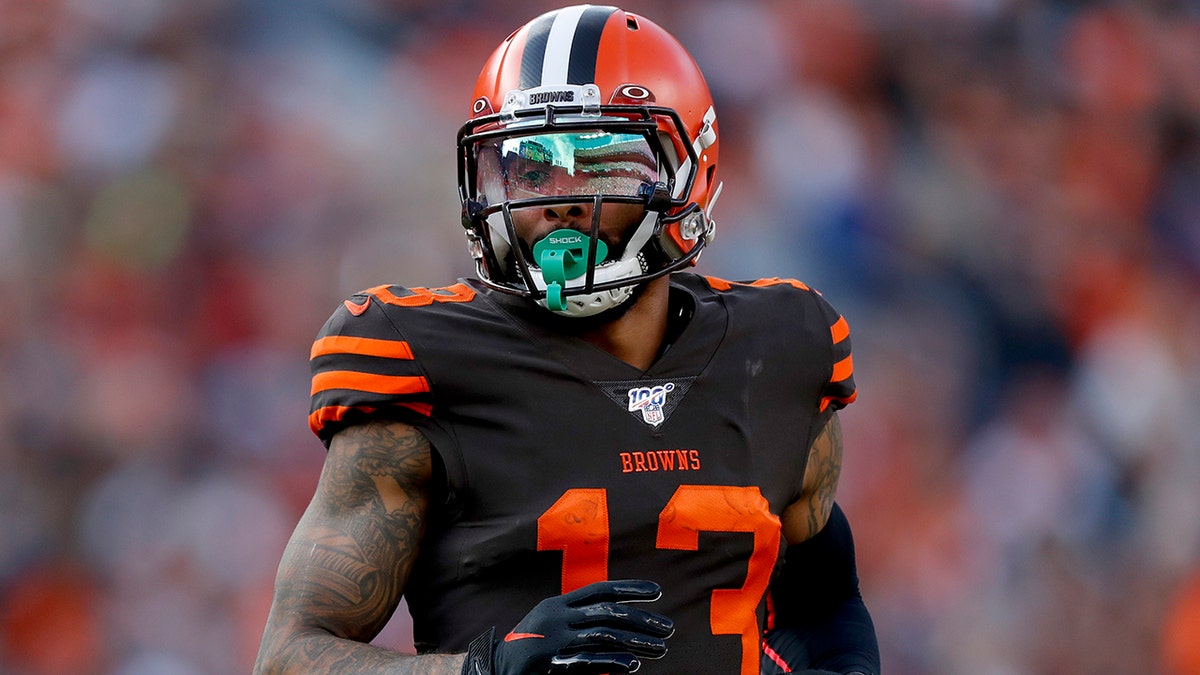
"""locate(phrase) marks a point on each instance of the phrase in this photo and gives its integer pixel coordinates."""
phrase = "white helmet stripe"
(561, 47)
(558, 46)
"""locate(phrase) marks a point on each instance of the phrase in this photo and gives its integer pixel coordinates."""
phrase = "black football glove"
(588, 631)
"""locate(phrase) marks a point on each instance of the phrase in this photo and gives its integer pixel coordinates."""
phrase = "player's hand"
(589, 631)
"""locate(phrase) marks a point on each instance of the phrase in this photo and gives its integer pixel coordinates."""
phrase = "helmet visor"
(567, 164)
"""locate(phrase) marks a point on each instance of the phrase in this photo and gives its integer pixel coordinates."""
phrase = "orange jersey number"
(577, 525)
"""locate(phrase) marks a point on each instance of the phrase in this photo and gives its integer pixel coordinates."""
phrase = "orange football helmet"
(614, 104)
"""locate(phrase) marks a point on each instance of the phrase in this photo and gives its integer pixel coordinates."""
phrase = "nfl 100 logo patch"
(652, 401)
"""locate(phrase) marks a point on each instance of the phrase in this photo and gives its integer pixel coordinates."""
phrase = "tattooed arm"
(821, 624)
(347, 563)
(808, 514)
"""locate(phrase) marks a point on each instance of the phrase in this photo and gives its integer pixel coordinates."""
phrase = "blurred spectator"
(1181, 649)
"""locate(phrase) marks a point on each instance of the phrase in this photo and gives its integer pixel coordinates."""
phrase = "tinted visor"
(570, 164)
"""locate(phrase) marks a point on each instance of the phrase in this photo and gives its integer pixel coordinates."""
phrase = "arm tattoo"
(809, 513)
(823, 472)
(371, 522)
(344, 570)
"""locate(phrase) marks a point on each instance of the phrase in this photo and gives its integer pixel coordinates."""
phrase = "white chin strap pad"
(590, 304)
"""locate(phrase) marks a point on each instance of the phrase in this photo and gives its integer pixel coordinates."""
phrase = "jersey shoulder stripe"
(419, 296)
(719, 284)
(370, 383)
(323, 420)
(363, 367)
(347, 344)
(839, 391)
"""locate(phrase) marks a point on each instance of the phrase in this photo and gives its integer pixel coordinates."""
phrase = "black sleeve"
(819, 619)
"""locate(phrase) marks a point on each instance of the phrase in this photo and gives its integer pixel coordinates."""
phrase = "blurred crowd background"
(1002, 196)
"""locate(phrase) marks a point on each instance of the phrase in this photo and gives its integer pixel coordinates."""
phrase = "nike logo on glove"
(521, 636)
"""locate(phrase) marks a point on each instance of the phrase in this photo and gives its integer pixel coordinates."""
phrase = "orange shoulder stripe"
(844, 400)
(718, 284)
(843, 369)
(840, 329)
(331, 413)
(369, 382)
(422, 297)
(344, 344)
(776, 281)
(336, 413)
(425, 409)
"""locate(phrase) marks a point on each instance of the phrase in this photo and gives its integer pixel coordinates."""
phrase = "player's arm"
(821, 622)
(345, 567)
(807, 515)
(347, 563)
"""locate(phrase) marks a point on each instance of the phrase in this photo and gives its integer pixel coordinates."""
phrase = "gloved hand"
(591, 630)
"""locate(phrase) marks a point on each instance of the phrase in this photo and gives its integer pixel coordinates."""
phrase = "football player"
(588, 459)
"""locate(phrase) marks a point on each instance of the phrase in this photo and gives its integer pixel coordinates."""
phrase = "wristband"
(480, 653)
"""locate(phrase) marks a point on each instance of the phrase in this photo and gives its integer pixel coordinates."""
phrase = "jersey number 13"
(577, 525)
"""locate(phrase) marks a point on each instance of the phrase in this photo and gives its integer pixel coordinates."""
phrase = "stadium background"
(1003, 197)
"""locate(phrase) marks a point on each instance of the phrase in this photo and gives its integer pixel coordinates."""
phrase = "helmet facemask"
(583, 163)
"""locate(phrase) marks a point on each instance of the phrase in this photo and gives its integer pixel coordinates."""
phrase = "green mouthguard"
(562, 255)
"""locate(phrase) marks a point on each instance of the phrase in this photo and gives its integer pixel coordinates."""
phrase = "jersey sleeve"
(840, 390)
(362, 369)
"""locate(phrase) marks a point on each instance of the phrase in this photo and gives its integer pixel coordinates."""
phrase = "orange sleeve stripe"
(331, 413)
(840, 330)
(844, 400)
(336, 413)
(344, 344)
(369, 382)
(425, 409)
(843, 369)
